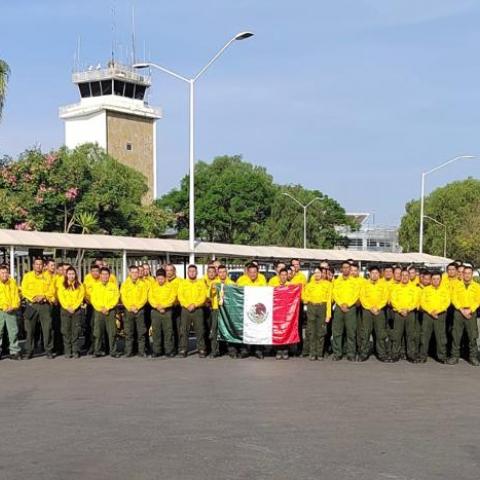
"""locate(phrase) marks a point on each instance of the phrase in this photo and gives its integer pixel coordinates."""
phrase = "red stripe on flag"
(286, 308)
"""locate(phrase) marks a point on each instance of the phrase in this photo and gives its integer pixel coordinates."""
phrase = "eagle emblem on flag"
(257, 313)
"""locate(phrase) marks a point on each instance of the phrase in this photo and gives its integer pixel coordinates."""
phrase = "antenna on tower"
(113, 34)
(78, 54)
(134, 56)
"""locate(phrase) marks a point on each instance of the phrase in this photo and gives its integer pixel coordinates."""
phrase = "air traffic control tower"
(114, 113)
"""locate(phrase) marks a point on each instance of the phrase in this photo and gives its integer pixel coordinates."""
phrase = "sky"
(354, 98)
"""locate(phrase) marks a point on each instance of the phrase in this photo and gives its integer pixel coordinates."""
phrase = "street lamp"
(444, 235)
(422, 193)
(304, 214)
(191, 82)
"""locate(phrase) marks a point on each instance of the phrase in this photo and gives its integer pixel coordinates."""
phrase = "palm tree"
(4, 74)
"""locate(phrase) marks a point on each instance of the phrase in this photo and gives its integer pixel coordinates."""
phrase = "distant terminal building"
(113, 112)
(369, 236)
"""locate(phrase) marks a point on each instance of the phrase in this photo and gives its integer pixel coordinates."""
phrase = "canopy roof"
(70, 241)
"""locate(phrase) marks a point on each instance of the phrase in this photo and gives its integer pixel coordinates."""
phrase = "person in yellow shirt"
(91, 278)
(222, 279)
(405, 299)
(71, 294)
(172, 278)
(282, 351)
(104, 298)
(192, 294)
(161, 297)
(252, 279)
(148, 278)
(374, 296)
(38, 290)
(134, 296)
(413, 275)
(317, 296)
(275, 280)
(9, 305)
(50, 268)
(449, 278)
(466, 301)
(434, 302)
(209, 278)
(346, 293)
(298, 277)
(244, 277)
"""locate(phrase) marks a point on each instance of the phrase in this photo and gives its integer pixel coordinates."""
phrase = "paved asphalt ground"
(237, 419)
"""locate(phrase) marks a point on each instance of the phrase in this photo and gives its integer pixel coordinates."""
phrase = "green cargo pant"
(437, 326)
(71, 325)
(134, 323)
(316, 328)
(9, 321)
(162, 326)
(214, 333)
(344, 321)
(381, 334)
(104, 325)
(408, 325)
(186, 319)
(367, 324)
(38, 312)
(460, 323)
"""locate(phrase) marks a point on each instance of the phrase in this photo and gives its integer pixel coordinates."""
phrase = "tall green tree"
(233, 200)
(59, 190)
(4, 75)
(457, 205)
(237, 202)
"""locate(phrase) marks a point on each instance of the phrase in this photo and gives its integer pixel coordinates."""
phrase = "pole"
(12, 261)
(124, 265)
(305, 227)
(422, 201)
(191, 213)
(445, 243)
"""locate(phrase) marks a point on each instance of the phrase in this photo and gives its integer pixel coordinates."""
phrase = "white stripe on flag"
(257, 315)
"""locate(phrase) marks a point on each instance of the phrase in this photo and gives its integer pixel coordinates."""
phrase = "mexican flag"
(259, 315)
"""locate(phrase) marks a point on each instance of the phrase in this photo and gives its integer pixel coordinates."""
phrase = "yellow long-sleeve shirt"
(9, 295)
(192, 292)
(405, 296)
(319, 292)
(134, 294)
(274, 281)
(466, 295)
(34, 285)
(213, 291)
(175, 283)
(104, 296)
(389, 283)
(434, 299)
(245, 281)
(374, 295)
(299, 278)
(245, 278)
(346, 291)
(148, 280)
(70, 298)
(450, 283)
(162, 296)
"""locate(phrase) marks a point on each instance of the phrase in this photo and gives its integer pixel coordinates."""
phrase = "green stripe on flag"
(230, 313)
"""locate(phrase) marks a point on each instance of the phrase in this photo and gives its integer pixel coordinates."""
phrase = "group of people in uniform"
(393, 312)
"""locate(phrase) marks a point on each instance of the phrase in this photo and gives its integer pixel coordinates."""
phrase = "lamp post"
(304, 214)
(444, 234)
(191, 83)
(422, 193)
